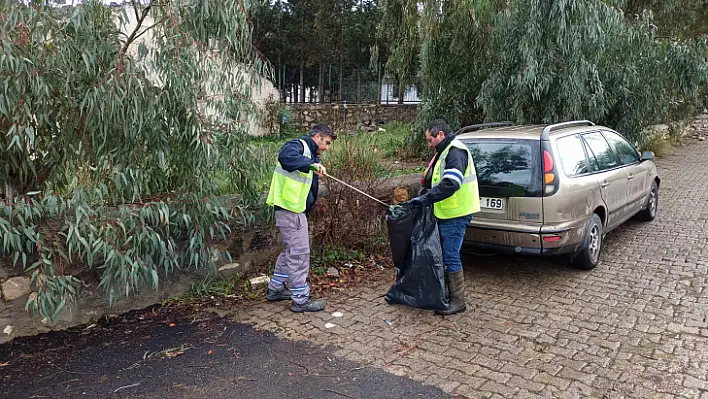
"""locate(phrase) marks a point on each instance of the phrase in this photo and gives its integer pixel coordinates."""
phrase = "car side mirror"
(647, 156)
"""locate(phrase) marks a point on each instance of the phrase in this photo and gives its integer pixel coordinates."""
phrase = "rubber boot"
(456, 289)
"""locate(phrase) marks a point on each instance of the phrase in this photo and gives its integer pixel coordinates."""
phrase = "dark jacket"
(455, 166)
(291, 159)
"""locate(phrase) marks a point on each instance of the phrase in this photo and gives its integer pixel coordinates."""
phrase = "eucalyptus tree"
(537, 61)
(115, 122)
(580, 59)
(398, 38)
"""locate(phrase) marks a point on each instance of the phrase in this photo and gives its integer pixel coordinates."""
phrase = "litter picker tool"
(357, 190)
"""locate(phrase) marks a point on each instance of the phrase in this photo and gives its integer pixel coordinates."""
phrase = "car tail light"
(550, 177)
(547, 162)
(551, 238)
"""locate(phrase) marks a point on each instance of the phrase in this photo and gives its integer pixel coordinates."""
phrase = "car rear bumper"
(517, 250)
(524, 239)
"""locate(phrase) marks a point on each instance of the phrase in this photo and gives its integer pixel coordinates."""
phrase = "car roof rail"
(546, 133)
(474, 128)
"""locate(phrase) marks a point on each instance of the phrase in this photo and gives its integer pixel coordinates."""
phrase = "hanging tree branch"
(134, 35)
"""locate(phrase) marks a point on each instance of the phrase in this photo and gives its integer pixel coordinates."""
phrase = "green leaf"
(58, 309)
(155, 278)
(29, 131)
(14, 142)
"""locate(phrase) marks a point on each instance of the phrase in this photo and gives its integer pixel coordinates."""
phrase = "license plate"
(492, 203)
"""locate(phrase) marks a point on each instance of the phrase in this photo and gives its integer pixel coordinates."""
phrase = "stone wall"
(351, 117)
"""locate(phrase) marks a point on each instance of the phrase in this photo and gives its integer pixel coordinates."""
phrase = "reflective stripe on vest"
(294, 175)
(465, 201)
(289, 190)
(467, 179)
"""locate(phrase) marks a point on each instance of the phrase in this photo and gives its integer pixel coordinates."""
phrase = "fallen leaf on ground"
(171, 352)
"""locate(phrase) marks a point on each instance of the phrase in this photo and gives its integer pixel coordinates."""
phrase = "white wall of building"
(261, 93)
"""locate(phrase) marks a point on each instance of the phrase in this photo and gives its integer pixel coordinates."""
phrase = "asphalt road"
(169, 354)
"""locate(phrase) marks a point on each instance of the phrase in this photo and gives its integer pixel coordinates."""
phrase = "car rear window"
(507, 167)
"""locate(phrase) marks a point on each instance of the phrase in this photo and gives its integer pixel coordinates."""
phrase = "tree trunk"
(9, 192)
(302, 81)
(378, 89)
(320, 88)
(329, 84)
(401, 92)
(340, 95)
(295, 96)
(282, 88)
(358, 86)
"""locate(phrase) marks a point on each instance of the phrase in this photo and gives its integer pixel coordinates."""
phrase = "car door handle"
(604, 184)
(630, 176)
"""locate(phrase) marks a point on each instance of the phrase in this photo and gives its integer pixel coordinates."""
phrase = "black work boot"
(282, 295)
(312, 305)
(456, 289)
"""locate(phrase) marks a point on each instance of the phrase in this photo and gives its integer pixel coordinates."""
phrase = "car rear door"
(637, 173)
(612, 177)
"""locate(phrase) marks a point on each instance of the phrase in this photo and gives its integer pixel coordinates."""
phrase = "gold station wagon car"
(556, 189)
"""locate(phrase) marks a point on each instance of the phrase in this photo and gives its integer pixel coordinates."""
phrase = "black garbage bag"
(417, 255)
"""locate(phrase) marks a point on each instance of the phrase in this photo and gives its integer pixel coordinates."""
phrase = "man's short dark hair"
(436, 126)
(323, 130)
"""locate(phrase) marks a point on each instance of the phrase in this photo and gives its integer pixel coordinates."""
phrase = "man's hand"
(319, 169)
(417, 201)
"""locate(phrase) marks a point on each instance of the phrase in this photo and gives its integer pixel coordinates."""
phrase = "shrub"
(343, 217)
(110, 144)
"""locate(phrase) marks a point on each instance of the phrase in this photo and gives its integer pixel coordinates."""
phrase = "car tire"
(649, 213)
(588, 257)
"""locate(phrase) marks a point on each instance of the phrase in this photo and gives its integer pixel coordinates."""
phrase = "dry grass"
(661, 145)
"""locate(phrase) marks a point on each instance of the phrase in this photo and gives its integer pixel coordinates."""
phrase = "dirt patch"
(175, 352)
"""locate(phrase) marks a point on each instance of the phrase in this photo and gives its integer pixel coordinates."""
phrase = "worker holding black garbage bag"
(425, 233)
(420, 250)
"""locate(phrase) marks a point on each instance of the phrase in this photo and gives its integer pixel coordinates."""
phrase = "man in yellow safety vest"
(450, 183)
(293, 193)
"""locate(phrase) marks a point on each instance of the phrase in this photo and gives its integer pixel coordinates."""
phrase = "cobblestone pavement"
(635, 327)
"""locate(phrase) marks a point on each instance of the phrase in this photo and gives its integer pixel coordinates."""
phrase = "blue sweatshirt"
(291, 159)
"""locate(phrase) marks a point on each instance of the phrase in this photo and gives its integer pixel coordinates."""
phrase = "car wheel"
(589, 255)
(650, 212)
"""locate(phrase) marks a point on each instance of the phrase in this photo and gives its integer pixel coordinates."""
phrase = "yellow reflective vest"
(289, 190)
(465, 201)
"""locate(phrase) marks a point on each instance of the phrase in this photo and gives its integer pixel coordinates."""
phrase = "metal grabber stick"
(357, 190)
